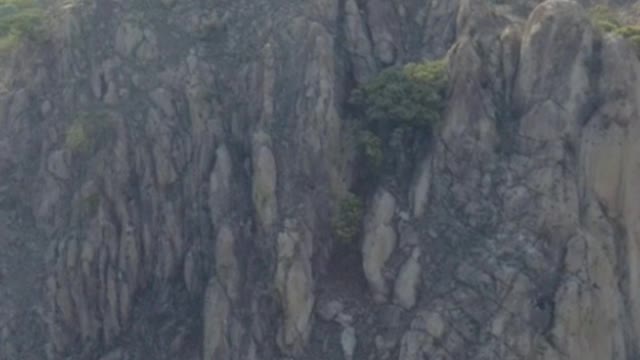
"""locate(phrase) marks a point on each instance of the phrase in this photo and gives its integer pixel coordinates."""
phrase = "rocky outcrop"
(264, 182)
(379, 243)
(196, 223)
(408, 280)
(216, 319)
(294, 282)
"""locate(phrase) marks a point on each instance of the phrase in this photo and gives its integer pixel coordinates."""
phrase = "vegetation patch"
(347, 223)
(88, 132)
(608, 21)
(604, 18)
(20, 20)
(370, 146)
(410, 98)
(405, 102)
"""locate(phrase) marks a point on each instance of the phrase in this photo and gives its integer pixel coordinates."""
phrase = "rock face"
(379, 243)
(196, 224)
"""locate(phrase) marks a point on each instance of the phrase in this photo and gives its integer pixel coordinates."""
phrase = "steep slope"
(169, 174)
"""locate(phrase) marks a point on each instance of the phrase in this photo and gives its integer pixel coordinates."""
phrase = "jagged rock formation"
(197, 224)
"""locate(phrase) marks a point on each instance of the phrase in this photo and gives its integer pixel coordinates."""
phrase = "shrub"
(607, 20)
(411, 96)
(348, 220)
(87, 132)
(411, 99)
(604, 18)
(20, 19)
(370, 146)
(627, 32)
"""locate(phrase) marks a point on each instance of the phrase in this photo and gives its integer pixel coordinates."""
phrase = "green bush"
(604, 18)
(607, 21)
(370, 146)
(627, 32)
(87, 132)
(20, 19)
(410, 96)
(348, 220)
(408, 100)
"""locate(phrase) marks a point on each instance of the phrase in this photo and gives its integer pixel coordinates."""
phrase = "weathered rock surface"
(379, 243)
(199, 225)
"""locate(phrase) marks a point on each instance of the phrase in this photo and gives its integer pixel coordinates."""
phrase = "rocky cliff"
(169, 172)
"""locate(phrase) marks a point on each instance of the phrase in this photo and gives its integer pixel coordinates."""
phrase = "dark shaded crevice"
(595, 100)
(506, 115)
(362, 10)
(343, 60)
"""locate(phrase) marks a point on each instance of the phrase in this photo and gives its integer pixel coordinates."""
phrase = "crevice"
(104, 87)
(343, 62)
(594, 66)
(363, 13)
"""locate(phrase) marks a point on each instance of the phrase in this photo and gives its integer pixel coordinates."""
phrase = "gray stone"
(264, 181)
(329, 310)
(379, 243)
(406, 285)
(294, 283)
(215, 318)
(348, 341)
(128, 36)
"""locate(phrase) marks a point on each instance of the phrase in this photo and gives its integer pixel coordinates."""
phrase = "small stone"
(344, 319)
(406, 285)
(348, 341)
(328, 311)
(386, 51)
(435, 325)
(402, 11)
(57, 165)
(162, 98)
(45, 107)
(136, 80)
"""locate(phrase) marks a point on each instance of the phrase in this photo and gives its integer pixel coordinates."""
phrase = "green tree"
(410, 96)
